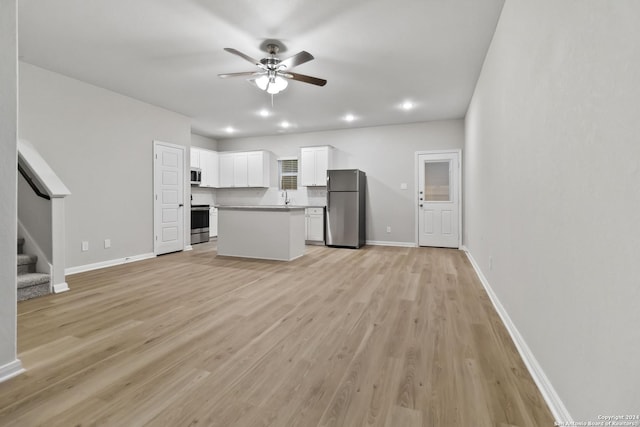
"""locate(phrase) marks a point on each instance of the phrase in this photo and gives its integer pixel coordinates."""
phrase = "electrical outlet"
(107, 243)
(403, 186)
(85, 246)
(388, 229)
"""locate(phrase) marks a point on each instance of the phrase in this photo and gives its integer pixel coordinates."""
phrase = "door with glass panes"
(438, 199)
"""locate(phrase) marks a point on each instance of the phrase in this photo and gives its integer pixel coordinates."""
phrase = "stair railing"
(36, 170)
(32, 184)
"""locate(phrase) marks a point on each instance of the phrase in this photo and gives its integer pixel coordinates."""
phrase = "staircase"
(30, 283)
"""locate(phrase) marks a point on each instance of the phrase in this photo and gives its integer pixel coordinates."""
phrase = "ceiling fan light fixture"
(272, 88)
(271, 76)
(281, 83)
(262, 82)
(276, 85)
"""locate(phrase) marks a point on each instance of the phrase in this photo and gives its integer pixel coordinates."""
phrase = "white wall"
(8, 168)
(385, 153)
(552, 192)
(100, 143)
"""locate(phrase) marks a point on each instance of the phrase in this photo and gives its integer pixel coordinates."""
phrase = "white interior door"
(439, 199)
(168, 186)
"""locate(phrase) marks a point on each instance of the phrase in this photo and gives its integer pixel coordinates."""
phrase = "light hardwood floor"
(379, 336)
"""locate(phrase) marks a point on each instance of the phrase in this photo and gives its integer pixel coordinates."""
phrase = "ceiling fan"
(273, 73)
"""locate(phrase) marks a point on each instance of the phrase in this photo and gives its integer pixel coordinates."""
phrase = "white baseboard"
(385, 243)
(10, 370)
(109, 263)
(58, 288)
(188, 248)
(559, 411)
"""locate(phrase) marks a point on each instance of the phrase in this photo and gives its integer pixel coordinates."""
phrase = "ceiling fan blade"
(246, 57)
(303, 78)
(297, 59)
(243, 74)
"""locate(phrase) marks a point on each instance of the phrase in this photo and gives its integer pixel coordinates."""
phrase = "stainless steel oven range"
(199, 224)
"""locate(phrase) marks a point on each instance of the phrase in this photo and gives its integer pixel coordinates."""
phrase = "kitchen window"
(288, 173)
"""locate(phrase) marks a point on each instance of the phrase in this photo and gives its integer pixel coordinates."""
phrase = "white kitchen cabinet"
(209, 167)
(246, 169)
(207, 162)
(314, 225)
(256, 168)
(213, 222)
(194, 158)
(314, 164)
(240, 170)
(226, 169)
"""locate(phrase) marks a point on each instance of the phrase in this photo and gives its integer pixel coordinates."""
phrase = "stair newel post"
(58, 248)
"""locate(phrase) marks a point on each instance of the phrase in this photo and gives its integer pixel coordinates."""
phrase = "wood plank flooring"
(379, 336)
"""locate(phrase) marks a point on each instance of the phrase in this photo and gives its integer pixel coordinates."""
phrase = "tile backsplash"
(305, 196)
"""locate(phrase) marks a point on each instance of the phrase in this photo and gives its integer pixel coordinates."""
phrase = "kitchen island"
(265, 232)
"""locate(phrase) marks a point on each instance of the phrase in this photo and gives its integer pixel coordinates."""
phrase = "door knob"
(181, 205)
(420, 204)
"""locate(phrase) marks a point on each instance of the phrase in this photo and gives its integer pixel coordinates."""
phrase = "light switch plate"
(107, 243)
(85, 246)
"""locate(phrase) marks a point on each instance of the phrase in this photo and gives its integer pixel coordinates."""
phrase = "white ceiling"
(375, 54)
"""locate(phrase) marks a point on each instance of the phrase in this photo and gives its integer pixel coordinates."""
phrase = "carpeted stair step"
(32, 285)
(26, 264)
(32, 279)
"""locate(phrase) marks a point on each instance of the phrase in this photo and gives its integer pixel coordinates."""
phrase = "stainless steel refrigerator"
(346, 208)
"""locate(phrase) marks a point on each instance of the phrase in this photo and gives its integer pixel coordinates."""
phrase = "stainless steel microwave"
(196, 176)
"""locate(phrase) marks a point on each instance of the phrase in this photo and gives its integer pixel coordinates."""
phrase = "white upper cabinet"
(246, 169)
(257, 166)
(240, 170)
(207, 162)
(209, 167)
(195, 158)
(314, 164)
(226, 170)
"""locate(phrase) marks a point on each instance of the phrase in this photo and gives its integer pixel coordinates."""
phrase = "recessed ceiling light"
(264, 113)
(229, 129)
(285, 124)
(407, 105)
(349, 118)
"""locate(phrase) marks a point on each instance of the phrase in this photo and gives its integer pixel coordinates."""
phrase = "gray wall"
(552, 192)
(385, 153)
(8, 162)
(204, 142)
(100, 144)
